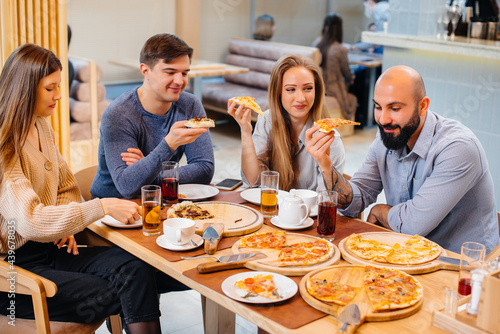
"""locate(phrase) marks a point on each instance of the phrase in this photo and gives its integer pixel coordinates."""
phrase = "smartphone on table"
(229, 184)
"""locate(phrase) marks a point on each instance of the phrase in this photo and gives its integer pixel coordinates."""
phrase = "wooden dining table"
(291, 316)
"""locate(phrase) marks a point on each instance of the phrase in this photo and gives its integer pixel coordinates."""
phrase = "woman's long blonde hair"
(19, 80)
(280, 144)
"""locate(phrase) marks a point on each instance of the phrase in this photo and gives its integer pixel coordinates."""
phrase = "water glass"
(269, 182)
(170, 181)
(151, 206)
(471, 257)
(327, 214)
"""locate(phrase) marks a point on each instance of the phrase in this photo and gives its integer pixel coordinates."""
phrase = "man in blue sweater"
(145, 126)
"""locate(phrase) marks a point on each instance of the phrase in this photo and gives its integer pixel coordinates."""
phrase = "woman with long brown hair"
(40, 210)
(285, 139)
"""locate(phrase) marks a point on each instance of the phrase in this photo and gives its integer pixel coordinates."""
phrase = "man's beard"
(405, 133)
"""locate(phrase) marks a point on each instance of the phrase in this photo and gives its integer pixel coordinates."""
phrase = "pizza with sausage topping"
(188, 209)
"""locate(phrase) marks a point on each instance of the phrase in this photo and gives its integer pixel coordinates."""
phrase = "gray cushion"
(267, 50)
(254, 64)
(252, 79)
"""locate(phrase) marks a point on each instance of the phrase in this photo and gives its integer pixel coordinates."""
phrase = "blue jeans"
(93, 285)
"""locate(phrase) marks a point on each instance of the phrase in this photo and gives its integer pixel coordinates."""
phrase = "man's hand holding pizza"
(180, 135)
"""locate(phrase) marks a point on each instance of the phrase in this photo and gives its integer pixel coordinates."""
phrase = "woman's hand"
(318, 146)
(124, 211)
(72, 246)
(132, 156)
(242, 115)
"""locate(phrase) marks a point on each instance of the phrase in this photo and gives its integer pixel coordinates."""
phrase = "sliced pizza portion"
(305, 253)
(367, 249)
(248, 102)
(332, 292)
(272, 240)
(328, 124)
(200, 122)
(259, 285)
(188, 209)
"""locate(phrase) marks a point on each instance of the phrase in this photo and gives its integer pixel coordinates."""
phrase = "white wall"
(114, 29)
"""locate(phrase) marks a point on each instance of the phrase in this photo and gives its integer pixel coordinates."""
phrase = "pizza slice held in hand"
(248, 102)
(200, 122)
(328, 124)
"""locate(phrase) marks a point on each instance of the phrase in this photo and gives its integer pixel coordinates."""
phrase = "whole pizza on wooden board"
(290, 254)
(237, 219)
(412, 254)
(381, 293)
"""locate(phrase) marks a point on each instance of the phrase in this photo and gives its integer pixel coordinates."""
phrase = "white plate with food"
(285, 287)
(110, 221)
(253, 195)
(196, 192)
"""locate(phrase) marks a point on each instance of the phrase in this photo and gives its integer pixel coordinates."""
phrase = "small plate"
(307, 223)
(314, 211)
(286, 287)
(253, 195)
(163, 242)
(110, 221)
(197, 192)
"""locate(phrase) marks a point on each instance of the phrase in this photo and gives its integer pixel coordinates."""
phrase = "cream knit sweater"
(39, 197)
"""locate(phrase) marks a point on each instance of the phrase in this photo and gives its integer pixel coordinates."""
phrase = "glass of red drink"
(170, 181)
(327, 214)
(471, 257)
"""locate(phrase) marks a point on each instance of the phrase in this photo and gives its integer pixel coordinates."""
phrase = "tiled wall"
(463, 88)
(414, 17)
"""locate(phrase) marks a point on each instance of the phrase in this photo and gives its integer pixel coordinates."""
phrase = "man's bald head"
(407, 75)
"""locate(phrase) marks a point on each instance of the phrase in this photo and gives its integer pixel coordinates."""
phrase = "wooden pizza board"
(271, 262)
(391, 238)
(353, 276)
(238, 219)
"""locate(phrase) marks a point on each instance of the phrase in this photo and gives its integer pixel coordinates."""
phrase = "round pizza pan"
(238, 219)
(390, 238)
(349, 274)
(270, 263)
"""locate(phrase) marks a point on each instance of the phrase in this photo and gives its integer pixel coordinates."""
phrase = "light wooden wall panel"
(42, 22)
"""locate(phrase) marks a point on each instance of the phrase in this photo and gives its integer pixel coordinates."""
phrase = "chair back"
(84, 178)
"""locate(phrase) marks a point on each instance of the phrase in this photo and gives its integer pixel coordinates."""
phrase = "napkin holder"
(489, 304)
(210, 246)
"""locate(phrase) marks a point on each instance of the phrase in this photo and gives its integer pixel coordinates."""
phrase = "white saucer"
(163, 242)
(308, 222)
(314, 211)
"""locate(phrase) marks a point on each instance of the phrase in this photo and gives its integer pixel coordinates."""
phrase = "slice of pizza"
(367, 249)
(200, 122)
(328, 124)
(188, 209)
(248, 102)
(305, 253)
(259, 285)
(332, 292)
(274, 239)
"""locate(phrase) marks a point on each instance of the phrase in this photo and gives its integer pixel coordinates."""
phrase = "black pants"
(93, 285)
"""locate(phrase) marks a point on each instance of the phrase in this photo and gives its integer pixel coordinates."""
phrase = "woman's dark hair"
(332, 32)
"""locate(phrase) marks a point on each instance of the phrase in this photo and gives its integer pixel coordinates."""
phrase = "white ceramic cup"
(178, 231)
(293, 211)
(309, 197)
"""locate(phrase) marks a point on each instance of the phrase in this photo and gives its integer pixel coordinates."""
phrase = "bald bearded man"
(433, 170)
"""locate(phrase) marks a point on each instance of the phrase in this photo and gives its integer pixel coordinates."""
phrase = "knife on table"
(450, 263)
(229, 262)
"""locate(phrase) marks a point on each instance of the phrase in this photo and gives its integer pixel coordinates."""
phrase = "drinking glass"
(327, 214)
(151, 206)
(170, 181)
(269, 181)
(471, 257)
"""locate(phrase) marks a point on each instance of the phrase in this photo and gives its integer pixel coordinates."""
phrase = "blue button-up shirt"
(442, 189)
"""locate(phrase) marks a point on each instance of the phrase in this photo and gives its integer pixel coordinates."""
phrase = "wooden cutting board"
(270, 263)
(238, 219)
(391, 238)
(353, 276)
